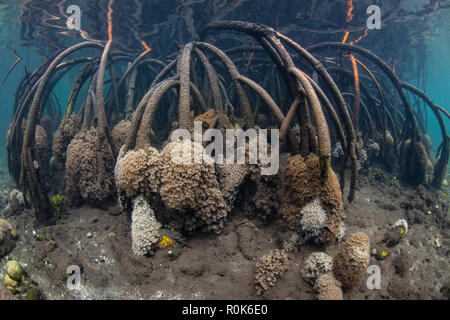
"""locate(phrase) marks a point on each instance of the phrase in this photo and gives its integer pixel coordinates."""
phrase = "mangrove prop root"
(350, 152)
(271, 36)
(331, 112)
(440, 170)
(32, 174)
(185, 120)
(130, 95)
(137, 116)
(384, 67)
(273, 107)
(144, 133)
(247, 121)
(213, 81)
(323, 133)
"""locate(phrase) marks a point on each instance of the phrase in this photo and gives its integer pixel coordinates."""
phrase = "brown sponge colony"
(7, 237)
(389, 140)
(5, 227)
(120, 132)
(190, 191)
(42, 144)
(64, 134)
(230, 177)
(46, 123)
(258, 193)
(41, 141)
(350, 263)
(212, 119)
(138, 172)
(417, 166)
(304, 185)
(269, 269)
(328, 288)
(192, 187)
(207, 119)
(89, 172)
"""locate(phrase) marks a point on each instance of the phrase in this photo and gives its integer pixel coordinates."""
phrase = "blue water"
(438, 75)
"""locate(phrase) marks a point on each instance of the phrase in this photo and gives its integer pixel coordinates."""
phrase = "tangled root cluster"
(138, 172)
(64, 134)
(350, 263)
(89, 172)
(269, 269)
(120, 132)
(144, 228)
(303, 186)
(188, 187)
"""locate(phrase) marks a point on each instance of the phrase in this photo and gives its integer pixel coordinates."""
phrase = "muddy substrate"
(223, 266)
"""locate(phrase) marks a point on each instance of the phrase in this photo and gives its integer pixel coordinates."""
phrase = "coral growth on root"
(138, 172)
(89, 172)
(439, 170)
(417, 167)
(42, 144)
(313, 220)
(230, 178)
(207, 119)
(303, 186)
(41, 141)
(64, 134)
(257, 193)
(120, 133)
(191, 189)
(195, 195)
